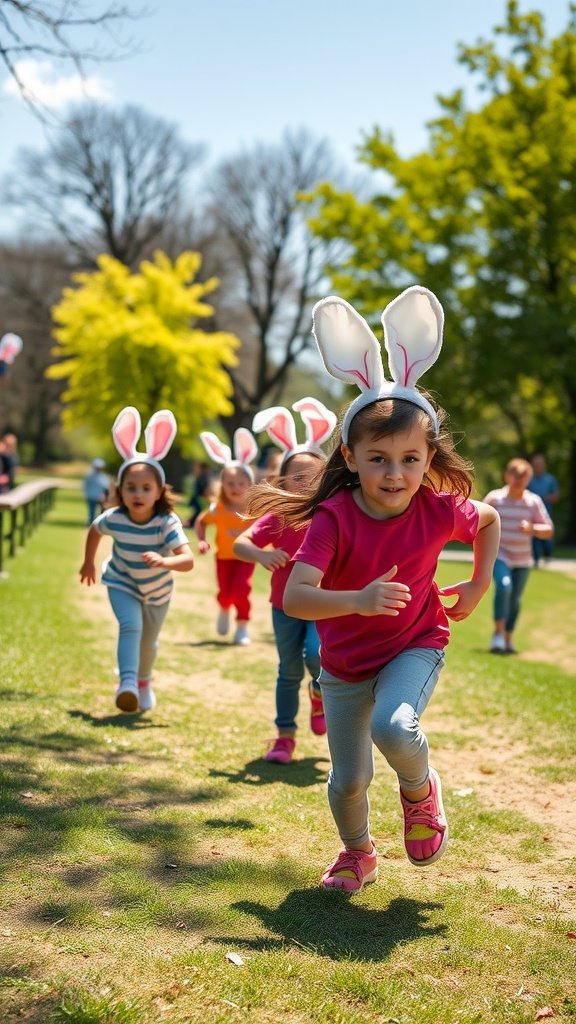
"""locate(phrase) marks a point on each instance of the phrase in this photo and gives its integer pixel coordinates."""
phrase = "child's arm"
(200, 530)
(271, 558)
(485, 549)
(304, 599)
(88, 570)
(180, 561)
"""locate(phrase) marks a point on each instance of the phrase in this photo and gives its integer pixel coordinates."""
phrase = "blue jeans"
(385, 711)
(509, 586)
(298, 649)
(140, 626)
(541, 548)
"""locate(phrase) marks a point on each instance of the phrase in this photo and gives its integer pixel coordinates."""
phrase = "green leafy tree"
(132, 339)
(486, 217)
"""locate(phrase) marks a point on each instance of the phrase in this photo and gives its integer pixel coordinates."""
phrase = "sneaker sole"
(442, 848)
(372, 876)
(127, 701)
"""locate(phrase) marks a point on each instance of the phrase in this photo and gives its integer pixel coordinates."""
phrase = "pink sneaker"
(425, 825)
(351, 870)
(281, 750)
(317, 720)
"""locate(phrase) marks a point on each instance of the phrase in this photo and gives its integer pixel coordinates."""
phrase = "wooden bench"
(22, 509)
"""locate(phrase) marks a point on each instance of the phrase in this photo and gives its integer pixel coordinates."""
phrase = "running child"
(148, 543)
(234, 576)
(391, 495)
(272, 543)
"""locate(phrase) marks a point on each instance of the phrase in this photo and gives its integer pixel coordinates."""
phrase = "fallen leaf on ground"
(235, 958)
(544, 1011)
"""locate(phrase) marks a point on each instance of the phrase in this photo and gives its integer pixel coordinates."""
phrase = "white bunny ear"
(160, 433)
(10, 346)
(245, 447)
(126, 431)
(413, 324)
(319, 420)
(349, 348)
(279, 424)
(217, 450)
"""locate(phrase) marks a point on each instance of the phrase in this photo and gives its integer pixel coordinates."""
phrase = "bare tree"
(49, 29)
(107, 183)
(31, 280)
(270, 264)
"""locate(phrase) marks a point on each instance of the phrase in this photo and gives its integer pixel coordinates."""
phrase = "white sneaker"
(223, 622)
(241, 637)
(498, 644)
(146, 697)
(127, 697)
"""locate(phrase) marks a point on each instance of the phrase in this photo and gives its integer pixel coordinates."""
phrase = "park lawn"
(138, 852)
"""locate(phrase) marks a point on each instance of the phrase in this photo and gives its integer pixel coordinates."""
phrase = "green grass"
(137, 851)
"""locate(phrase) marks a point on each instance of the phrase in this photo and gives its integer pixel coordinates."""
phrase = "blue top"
(126, 569)
(544, 486)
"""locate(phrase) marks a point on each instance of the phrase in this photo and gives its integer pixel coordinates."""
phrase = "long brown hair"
(448, 470)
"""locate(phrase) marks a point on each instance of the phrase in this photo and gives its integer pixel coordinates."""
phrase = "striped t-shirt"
(516, 547)
(126, 569)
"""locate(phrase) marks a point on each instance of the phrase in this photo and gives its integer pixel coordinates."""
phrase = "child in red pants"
(233, 575)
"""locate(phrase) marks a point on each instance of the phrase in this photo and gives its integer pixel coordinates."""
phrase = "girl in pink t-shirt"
(272, 543)
(390, 497)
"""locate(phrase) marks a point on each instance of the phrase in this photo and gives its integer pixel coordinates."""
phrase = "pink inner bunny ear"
(160, 433)
(126, 431)
(279, 424)
(319, 420)
(413, 324)
(245, 447)
(10, 346)
(349, 348)
(217, 451)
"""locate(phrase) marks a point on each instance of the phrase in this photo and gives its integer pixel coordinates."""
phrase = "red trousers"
(235, 585)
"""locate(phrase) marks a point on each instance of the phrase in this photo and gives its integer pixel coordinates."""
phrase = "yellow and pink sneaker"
(351, 870)
(425, 825)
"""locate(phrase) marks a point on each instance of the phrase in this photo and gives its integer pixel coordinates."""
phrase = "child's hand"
(88, 573)
(382, 597)
(203, 547)
(469, 594)
(275, 559)
(526, 526)
(153, 558)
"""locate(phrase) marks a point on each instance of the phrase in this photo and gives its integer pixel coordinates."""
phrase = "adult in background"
(546, 487)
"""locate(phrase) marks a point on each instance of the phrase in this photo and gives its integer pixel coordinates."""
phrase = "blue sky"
(231, 73)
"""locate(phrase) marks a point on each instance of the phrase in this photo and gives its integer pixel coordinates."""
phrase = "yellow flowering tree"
(133, 339)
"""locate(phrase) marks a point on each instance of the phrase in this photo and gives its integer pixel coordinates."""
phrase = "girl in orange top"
(233, 575)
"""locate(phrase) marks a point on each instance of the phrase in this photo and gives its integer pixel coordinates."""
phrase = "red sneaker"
(281, 750)
(351, 870)
(425, 825)
(317, 720)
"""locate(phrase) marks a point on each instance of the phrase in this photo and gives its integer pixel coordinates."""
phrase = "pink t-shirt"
(269, 530)
(516, 547)
(352, 549)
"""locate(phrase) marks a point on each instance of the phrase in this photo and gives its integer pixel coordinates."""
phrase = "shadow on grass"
(332, 925)
(121, 720)
(307, 771)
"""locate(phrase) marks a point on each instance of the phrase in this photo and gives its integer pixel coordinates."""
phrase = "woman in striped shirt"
(523, 516)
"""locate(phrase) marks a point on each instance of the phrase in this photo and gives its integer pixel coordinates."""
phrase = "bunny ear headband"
(245, 450)
(159, 435)
(280, 426)
(413, 324)
(10, 346)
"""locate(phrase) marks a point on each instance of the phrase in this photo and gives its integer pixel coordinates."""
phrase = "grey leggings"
(140, 626)
(383, 710)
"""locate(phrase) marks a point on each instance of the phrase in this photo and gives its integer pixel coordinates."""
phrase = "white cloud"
(41, 85)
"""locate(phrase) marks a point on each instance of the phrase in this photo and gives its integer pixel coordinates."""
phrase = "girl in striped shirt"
(148, 543)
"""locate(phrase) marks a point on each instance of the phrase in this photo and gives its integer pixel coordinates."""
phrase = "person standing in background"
(546, 487)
